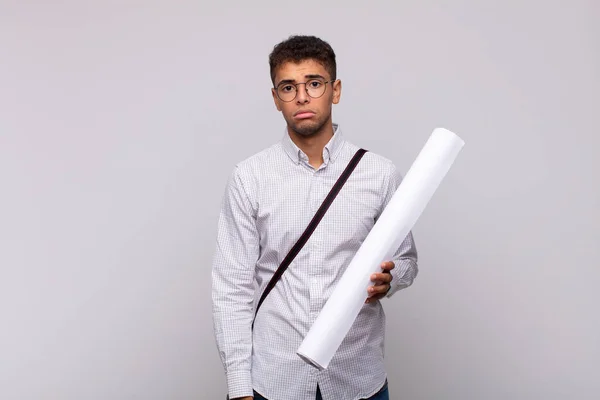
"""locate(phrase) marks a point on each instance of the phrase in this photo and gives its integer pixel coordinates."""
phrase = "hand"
(382, 282)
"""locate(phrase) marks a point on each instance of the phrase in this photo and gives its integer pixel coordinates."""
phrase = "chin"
(308, 129)
(306, 132)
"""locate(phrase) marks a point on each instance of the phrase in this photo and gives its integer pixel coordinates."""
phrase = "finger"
(381, 277)
(388, 265)
(380, 289)
(376, 296)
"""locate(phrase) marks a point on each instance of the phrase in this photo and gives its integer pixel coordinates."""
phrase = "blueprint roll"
(395, 222)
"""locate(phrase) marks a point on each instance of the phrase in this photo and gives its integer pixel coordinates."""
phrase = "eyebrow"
(309, 76)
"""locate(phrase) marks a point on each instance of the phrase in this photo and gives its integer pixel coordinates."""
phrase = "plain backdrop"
(120, 122)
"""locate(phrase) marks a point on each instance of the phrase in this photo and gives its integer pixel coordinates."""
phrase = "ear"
(275, 99)
(337, 91)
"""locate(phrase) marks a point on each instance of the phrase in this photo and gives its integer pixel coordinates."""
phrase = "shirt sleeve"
(405, 257)
(237, 251)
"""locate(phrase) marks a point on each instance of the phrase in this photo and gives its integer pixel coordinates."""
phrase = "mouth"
(303, 114)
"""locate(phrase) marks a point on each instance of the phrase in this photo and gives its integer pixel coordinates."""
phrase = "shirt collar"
(330, 151)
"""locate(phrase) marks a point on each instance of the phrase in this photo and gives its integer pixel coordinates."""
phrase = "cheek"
(324, 104)
(286, 109)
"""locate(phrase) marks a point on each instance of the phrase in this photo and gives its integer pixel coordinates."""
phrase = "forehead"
(297, 71)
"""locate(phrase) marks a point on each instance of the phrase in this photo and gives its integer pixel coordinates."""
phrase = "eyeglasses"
(315, 88)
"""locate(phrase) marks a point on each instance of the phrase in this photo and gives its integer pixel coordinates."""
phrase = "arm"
(406, 266)
(237, 251)
(401, 270)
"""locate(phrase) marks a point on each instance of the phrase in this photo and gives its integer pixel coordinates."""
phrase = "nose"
(302, 96)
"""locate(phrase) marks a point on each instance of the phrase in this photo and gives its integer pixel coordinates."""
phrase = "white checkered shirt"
(269, 200)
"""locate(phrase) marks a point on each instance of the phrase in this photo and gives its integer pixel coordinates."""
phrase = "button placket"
(313, 255)
(318, 194)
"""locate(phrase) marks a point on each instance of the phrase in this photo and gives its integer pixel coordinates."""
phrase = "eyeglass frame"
(305, 89)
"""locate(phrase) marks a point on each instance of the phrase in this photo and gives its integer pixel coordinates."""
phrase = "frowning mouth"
(303, 114)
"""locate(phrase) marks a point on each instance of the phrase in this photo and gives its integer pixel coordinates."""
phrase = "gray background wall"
(121, 120)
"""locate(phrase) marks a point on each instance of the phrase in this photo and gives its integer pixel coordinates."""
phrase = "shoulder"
(251, 166)
(382, 163)
(249, 174)
(376, 162)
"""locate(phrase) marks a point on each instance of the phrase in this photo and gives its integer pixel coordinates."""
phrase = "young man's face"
(306, 115)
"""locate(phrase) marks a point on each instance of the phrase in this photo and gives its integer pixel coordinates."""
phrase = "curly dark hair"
(298, 48)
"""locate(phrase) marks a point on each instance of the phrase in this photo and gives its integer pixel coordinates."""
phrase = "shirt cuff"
(239, 383)
(403, 275)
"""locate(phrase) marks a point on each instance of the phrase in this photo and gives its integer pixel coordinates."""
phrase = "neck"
(313, 145)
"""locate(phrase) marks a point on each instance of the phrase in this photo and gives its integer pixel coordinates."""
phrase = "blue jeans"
(383, 394)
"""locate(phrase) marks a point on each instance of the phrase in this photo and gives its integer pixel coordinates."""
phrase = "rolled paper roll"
(395, 222)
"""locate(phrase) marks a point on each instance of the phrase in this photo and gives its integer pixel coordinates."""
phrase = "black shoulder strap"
(311, 226)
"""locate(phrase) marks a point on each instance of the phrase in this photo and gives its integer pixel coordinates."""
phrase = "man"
(269, 201)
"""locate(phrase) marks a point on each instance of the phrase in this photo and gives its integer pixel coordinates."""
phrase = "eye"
(315, 84)
(287, 88)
